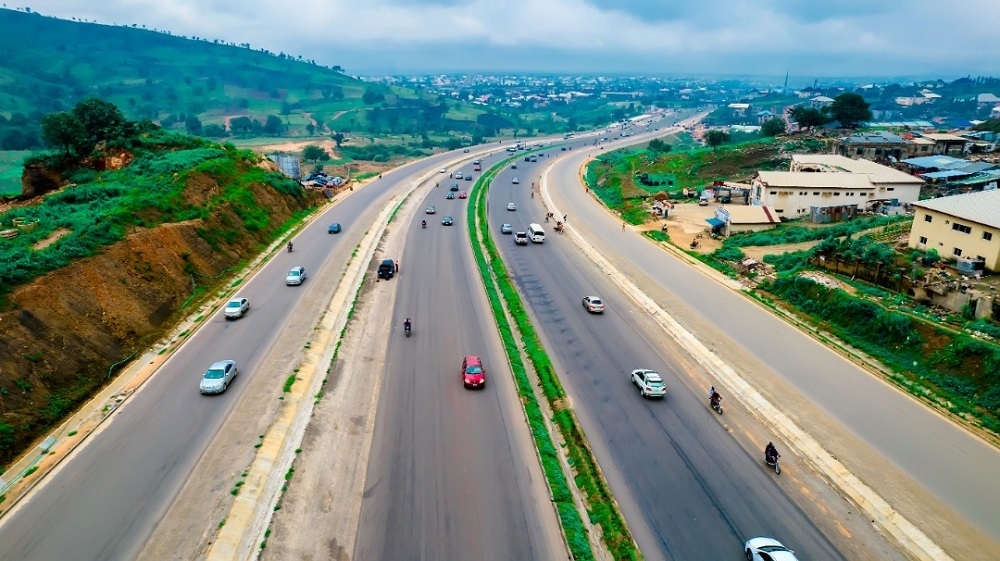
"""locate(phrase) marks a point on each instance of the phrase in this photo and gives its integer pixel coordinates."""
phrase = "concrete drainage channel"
(905, 533)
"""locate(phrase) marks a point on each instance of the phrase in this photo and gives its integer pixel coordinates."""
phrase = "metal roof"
(939, 162)
(982, 207)
(945, 174)
(877, 172)
(814, 180)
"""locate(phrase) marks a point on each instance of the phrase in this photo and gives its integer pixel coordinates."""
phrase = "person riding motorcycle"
(423, 223)
(289, 247)
(771, 454)
(715, 398)
(407, 325)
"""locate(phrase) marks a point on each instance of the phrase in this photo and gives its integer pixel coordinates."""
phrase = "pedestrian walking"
(397, 267)
(623, 226)
(564, 218)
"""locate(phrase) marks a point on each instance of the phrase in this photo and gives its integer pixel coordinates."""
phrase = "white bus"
(535, 233)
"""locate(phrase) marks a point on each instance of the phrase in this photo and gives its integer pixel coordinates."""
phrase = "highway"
(955, 467)
(452, 472)
(105, 500)
(691, 491)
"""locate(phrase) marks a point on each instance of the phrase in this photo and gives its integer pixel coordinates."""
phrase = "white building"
(829, 188)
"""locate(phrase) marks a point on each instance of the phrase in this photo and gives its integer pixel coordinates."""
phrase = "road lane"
(452, 473)
(697, 494)
(917, 441)
(105, 499)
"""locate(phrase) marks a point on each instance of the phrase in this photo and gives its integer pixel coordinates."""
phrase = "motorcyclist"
(407, 325)
(771, 454)
(715, 398)
(423, 223)
(438, 184)
(289, 247)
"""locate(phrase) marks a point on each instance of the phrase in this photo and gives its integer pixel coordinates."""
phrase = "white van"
(535, 233)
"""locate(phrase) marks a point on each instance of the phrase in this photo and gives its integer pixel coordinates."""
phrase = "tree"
(849, 109)
(371, 97)
(64, 130)
(273, 125)
(214, 131)
(101, 121)
(716, 138)
(192, 125)
(338, 138)
(240, 125)
(773, 127)
(314, 153)
(808, 117)
(658, 146)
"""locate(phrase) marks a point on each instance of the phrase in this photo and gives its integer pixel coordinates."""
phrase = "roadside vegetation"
(504, 298)
(855, 282)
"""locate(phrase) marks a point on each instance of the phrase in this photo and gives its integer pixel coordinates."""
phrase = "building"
(948, 144)
(739, 109)
(829, 187)
(960, 227)
(872, 145)
(736, 219)
(820, 102)
(986, 100)
(289, 165)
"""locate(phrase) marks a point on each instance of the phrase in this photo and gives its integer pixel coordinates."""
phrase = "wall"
(941, 235)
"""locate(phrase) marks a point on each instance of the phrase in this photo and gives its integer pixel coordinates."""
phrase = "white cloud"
(738, 36)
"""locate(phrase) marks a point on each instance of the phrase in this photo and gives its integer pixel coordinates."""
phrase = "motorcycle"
(407, 327)
(773, 462)
(423, 224)
(716, 405)
(289, 247)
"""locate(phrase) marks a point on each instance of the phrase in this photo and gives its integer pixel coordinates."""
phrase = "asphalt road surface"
(692, 492)
(109, 494)
(956, 467)
(452, 472)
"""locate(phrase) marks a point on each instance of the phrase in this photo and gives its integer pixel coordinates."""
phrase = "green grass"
(11, 166)
(288, 383)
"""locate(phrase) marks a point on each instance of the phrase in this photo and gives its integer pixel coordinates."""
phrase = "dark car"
(447, 221)
(386, 269)
(334, 228)
(454, 186)
(468, 178)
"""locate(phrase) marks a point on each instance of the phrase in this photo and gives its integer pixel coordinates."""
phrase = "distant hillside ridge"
(196, 85)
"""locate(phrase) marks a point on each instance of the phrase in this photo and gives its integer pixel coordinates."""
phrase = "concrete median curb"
(906, 534)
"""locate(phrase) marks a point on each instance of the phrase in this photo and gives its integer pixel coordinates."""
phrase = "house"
(820, 102)
(739, 109)
(960, 227)
(986, 100)
(741, 218)
(764, 116)
(829, 187)
(948, 144)
(995, 112)
(872, 145)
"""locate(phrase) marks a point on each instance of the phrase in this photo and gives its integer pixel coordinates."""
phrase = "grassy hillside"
(48, 64)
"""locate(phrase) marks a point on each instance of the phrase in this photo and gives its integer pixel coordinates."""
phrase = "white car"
(295, 276)
(443, 170)
(218, 376)
(768, 549)
(458, 175)
(514, 181)
(511, 206)
(593, 304)
(649, 382)
(236, 308)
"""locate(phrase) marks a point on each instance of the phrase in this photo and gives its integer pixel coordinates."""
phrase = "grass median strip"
(600, 504)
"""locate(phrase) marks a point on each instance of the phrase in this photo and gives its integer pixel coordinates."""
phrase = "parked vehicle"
(386, 269)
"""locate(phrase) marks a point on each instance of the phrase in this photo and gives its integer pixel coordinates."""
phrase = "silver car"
(236, 308)
(295, 276)
(218, 377)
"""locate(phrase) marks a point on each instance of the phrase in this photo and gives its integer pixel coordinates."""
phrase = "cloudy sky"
(806, 38)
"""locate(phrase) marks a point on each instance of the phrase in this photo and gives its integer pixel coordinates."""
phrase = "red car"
(463, 195)
(477, 168)
(473, 372)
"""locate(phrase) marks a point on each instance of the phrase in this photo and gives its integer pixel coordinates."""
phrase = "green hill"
(193, 84)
